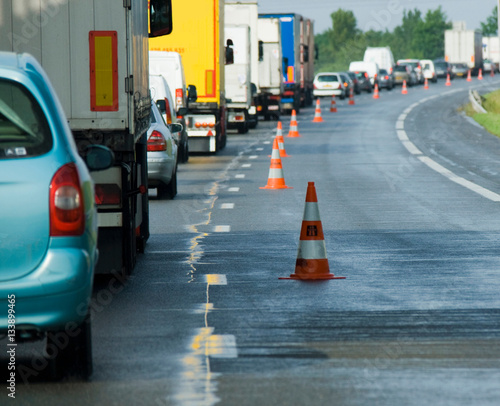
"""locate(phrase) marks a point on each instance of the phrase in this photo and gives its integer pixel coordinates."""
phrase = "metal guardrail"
(475, 100)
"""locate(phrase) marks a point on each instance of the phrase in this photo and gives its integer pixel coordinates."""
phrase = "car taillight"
(386, 77)
(366, 75)
(156, 142)
(314, 86)
(66, 203)
(178, 97)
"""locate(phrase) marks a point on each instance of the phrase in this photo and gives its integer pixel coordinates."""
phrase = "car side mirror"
(175, 128)
(98, 157)
(192, 94)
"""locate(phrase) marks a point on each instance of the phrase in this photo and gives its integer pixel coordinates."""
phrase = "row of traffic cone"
(311, 262)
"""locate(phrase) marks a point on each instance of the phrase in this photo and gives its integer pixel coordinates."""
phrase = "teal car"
(48, 220)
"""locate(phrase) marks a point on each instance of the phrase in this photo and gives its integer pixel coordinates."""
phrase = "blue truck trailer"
(297, 46)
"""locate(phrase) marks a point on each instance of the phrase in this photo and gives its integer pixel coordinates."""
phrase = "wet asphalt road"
(205, 320)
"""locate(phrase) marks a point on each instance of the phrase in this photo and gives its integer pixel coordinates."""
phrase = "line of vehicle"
(412, 149)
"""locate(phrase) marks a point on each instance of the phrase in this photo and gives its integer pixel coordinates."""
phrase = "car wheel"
(168, 191)
(70, 351)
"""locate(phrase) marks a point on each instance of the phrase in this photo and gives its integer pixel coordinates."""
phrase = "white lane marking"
(222, 229)
(240, 176)
(233, 189)
(253, 157)
(259, 149)
(227, 206)
(266, 142)
(410, 146)
(246, 165)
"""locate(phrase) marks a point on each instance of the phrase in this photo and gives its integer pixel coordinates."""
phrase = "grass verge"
(490, 120)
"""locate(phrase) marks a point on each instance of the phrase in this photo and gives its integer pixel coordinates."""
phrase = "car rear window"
(24, 130)
(328, 78)
(400, 68)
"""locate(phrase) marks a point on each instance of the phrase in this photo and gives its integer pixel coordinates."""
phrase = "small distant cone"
(426, 84)
(404, 90)
(293, 132)
(281, 141)
(469, 79)
(275, 180)
(317, 113)
(480, 75)
(312, 263)
(333, 105)
(492, 72)
(351, 97)
(448, 82)
(375, 92)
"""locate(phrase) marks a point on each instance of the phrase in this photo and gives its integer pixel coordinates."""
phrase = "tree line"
(419, 36)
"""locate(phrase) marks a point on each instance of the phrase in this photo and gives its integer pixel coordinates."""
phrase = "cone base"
(317, 120)
(293, 135)
(276, 187)
(312, 277)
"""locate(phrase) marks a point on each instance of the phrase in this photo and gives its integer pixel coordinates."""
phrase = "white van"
(369, 67)
(382, 56)
(429, 70)
(162, 96)
(169, 65)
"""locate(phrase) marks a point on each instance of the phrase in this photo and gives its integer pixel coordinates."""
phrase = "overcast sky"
(380, 14)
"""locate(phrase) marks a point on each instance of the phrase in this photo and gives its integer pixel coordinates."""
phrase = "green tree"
(428, 39)
(490, 27)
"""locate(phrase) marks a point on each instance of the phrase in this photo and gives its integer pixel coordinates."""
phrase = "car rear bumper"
(57, 293)
(327, 92)
(160, 170)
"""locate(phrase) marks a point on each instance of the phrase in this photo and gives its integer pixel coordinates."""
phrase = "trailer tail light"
(107, 194)
(288, 93)
(179, 97)
(66, 203)
(157, 142)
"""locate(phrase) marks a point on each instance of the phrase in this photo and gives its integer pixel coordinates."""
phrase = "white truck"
(237, 78)
(464, 46)
(382, 56)
(96, 55)
(491, 50)
(245, 13)
(270, 68)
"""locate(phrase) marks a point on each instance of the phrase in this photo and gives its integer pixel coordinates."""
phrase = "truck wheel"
(70, 352)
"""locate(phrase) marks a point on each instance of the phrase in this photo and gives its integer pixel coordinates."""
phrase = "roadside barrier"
(294, 131)
(312, 263)
(317, 113)
(276, 179)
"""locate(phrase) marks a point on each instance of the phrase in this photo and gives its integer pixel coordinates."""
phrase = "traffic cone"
(375, 92)
(469, 79)
(492, 72)
(480, 75)
(351, 97)
(426, 84)
(404, 90)
(293, 132)
(275, 179)
(448, 82)
(317, 113)
(333, 105)
(281, 141)
(312, 263)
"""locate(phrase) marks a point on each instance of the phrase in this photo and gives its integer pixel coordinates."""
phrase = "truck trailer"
(464, 46)
(297, 46)
(199, 39)
(96, 55)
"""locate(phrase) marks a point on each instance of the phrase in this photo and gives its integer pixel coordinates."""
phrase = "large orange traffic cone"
(448, 82)
(293, 132)
(312, 263)
(275, 180)
(404, 90)
(469, 79)
(281, 141)
(351, 97)
(333, 105)
(426, 84)
(375, 92)
(480, 75)
(317, 113)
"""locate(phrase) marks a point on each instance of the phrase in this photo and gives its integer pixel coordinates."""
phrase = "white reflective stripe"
(109, 219)
(314, 249)
(275, 173)
(311, 211)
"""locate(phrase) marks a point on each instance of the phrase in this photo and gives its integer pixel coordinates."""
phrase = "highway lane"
(205, 320)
